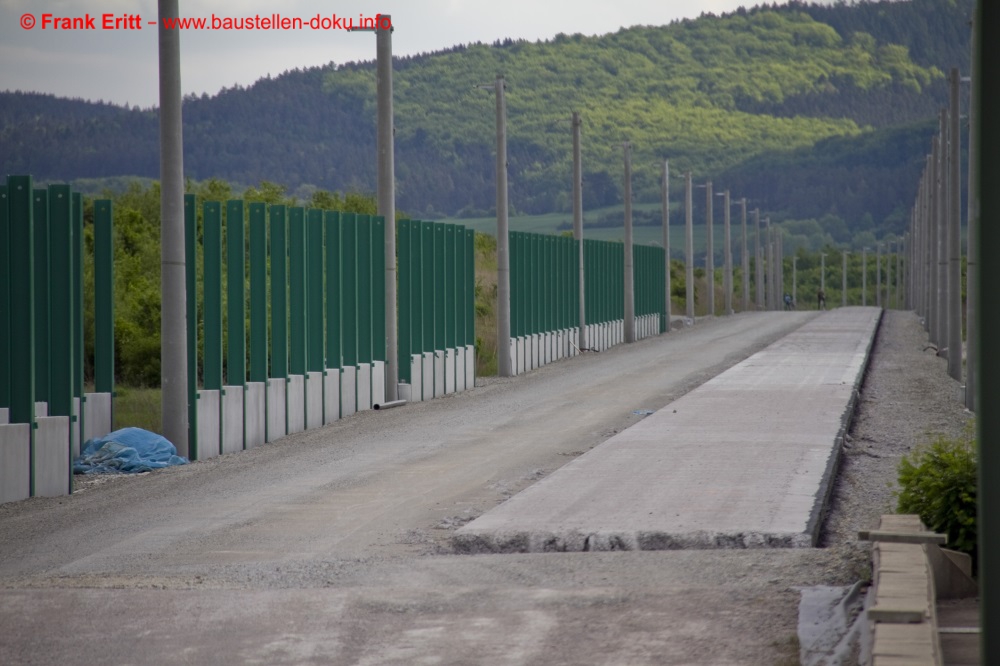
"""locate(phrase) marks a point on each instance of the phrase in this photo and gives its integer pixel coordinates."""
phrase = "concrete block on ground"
(209, 410)
(255, 419)
(5, 415)
(52, 464)
(277, 409)
(348, 390)
(702, 472)
(364, 387)
(41, 410)
(314, 400)
(96, 415)
(403, 389)
(535, 351)
(331, 395)
(15, 462)
(470, 367)
(378, 382)
(428, 376)
(449, 370)
(232, 419)
(296, 396)
(521, 359)
(460, 368)
(416, 378)
(438, 373)
(75, 429)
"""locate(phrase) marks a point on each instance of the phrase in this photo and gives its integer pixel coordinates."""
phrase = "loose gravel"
(409, 598)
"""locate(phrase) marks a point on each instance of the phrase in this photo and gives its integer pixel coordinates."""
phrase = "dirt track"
(331, 546)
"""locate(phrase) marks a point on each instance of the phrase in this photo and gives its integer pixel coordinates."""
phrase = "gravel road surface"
(332, 546)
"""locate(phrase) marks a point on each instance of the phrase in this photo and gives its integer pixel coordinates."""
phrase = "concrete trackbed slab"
(745, 460)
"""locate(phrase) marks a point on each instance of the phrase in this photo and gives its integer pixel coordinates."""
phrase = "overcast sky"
(121, 65)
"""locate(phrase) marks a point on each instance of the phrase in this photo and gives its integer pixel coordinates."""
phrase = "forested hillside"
(809, 110)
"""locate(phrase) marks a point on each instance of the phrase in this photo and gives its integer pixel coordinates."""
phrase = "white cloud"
(122, 65)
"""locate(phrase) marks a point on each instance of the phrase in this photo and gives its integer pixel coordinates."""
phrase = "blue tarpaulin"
(129, 450)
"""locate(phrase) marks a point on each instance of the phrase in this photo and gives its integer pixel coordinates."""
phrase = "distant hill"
(765, 101)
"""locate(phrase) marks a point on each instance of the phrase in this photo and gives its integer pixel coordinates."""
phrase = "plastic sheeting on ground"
(129, 450)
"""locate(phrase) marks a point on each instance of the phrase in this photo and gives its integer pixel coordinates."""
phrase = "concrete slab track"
(731, 464)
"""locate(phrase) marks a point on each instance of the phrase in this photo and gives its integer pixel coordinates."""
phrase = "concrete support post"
(689, 248)
(665, 207)
(843, 281)
(864, 276)
(942, 233)
(954, 233)
(744, 257)
(387, 197)
(504, 368)
(758, 261)
(727, 278)
(930, 235)
(769, 298)
(709, 249)
(578, 225)
(972, 267)
(898, 285)
(795, 278)
(878, 275)
(780, 286)
(173, 320)
(629, 281)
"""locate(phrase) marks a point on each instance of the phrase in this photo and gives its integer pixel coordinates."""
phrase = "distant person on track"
(821, 298)
(789, 305)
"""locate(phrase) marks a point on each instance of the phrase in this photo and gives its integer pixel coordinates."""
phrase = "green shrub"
(937, 481)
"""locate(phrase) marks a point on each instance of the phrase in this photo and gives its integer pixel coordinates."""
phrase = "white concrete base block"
(535, 351)
(378, 382)
(348, 390)
(277, 409)
(404, 392)
(96, 415)
(255, 426)
(296, 403)
(470, 367)
(208, 424)
(521, 350)
(416, 378)
(74, 429)
(331, 395)
(560, 344)
(428, 375)
(41, 410)
(546, 348)
(5, 414)
(438, 373)
(364, 387)
(15, 462)
(513, 357)
(314, 400)
(232, 419)
(449, 370)
(52, 456)
(460, 368)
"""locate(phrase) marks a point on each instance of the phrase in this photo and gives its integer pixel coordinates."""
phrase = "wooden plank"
(903, 537)
(897, 615)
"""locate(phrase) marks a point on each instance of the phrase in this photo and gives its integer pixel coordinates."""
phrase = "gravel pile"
(907, 398)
